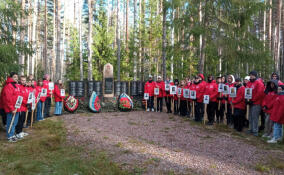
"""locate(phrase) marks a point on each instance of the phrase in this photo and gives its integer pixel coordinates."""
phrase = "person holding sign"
(221, 106)
(47, 104)
(11, 92)
(149, 88)
(239, 106)
(228, 109)
(175, 97)
(212, 91)
(168, 96)
(199, 87)
(255, 103)
(40, 101)
(183, 100)
(59, 95)
(161, 86)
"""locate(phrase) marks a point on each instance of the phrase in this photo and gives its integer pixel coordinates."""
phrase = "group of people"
(24, 101)
(267, 101)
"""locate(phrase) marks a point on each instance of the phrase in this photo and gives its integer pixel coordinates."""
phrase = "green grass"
(45, 151)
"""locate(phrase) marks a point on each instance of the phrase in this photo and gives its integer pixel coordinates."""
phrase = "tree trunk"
(53, 57)
(80, 41)
(270, 25)
(202, 40)
(63, 42)
(173, 44)
(35, 15)
(46, 62)
(277, 39)
(126, 26)
(22, 35)
(134, 40)
(264, 25)
(164, 42)
(118, 42)
(58, 42)
(90, 39)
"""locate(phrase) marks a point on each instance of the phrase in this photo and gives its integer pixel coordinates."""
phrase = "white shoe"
(19, 136)
(148, 110)
(24, 134)
(273, 140)
(12, 139)
(153, 109)
(265, 136)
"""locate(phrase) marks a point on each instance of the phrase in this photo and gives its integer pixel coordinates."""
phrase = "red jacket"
(161, 86)
(167, 93)
(212, 91)
(11, 91)
(277, 114)
(239, 100)
(200, 90)
(25, 94)
(257, 91)
(149, 88)
(268, 101)
(45, 85)
(57, 94)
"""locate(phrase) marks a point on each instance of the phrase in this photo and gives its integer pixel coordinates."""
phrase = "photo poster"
(33, 104)
(173, 90)
(248, 93)
(179, 91)
(220, 87)
(146, 96)
(43, 92)
(193, 95)
(233, 92)
(19, 102)
(206, 99)
(186, 93)
(156, 91)
(38, 96)
(167, 87)
(30, 98)
(51, 86)
(62, 92)
(226, 90)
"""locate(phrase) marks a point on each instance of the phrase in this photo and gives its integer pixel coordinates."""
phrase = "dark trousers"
(150, 102)
(4, 117)
(169, 104)
(262, 120)
(160, 104)
(176, 110)
(239, 119)
(21, 121)
(229, 115)
(211, 111)
(47, 105)
(199, 111)
(188, 109)
(220, 113)
(183, 108)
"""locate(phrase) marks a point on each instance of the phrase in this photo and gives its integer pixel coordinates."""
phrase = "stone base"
(110, 100)
(108, 95)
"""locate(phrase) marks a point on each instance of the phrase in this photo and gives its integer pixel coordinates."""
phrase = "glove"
(219, 98)
(265, 107)
(28, 106)
(225, 98)
(249, 102)
(195, 100)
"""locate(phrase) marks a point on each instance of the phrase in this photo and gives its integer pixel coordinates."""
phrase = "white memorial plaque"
(206, 99)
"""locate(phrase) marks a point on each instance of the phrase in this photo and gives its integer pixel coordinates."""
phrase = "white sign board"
(193, 95)
(226, 90)
(51, 86)
(173, 90)
(19, 102)
(30, 98)
(220, 87)
(38, 96)
(156, 91)
(186, 93)
(167, 87)
(233, 92)
(248, 93)
(206, 99)
(179, 91)
(146, 96)
(62, 92)
(33, 104)
(43, 92)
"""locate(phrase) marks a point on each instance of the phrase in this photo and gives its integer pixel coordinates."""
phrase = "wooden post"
(248, 108)
(146, 105)
(11, 124)
(173, 104)
(205, 114)
(26, 119)
(193, 109)
(219, 104)
(42, 111)
(155, 103)
(233, 109)
(32, 118)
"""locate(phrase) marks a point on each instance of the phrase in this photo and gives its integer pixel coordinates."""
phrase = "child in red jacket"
(183, 101)
(161, 85)
(59, 94)
(149, 88)
(212, 91)
(168, 96)
(40, 101)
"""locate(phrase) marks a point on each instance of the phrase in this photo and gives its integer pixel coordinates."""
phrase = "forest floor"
(159, 143)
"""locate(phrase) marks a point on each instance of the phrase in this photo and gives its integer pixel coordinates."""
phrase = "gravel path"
(160, 143)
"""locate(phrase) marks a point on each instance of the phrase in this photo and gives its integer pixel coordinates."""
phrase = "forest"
(74, 39)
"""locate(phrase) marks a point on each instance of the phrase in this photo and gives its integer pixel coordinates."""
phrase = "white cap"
(150, 76)
(247, 78)
(159, 77)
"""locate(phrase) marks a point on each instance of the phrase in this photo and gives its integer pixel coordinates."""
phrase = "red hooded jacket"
(239, 101)
(46, 86)
(25, 94)
(200, 90)
(161, 86)
(257, 91)
(277, 114)
(10, 94)
(268, 102)
(57, 94)
(212, 91)
(149, 88)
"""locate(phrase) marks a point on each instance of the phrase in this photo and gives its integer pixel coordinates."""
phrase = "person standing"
(47, 104)
(161, 85)
(275, 76)
(199, 86)
(149, 88)
(220, 107)
(176, 107)
(41, 101)
(212, 91)
(168, 96)
(58, 97)
(229, 116)
(255, 103)
(183, 101)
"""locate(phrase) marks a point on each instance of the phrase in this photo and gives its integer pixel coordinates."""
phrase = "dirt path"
(159, 143)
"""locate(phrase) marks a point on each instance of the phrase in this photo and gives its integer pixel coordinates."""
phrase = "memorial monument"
(108, 85)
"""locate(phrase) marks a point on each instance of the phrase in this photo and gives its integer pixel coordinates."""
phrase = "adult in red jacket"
(47, 104)
(229, 115)
(220, 108)
(275, 76)
(212, 91)
(239, 106)
(58, 97)
(199, 87)
(267, 105)
(168, 96)
(277, 116)
(149, 88)
(183, 101)
(10, 95)
(40, 102)
(255, 103)
(161, 85)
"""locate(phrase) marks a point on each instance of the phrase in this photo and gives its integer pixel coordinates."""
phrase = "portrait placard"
(248, 93)
(206, 99)
(173, 90)
(193, 95)
(146, 96)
